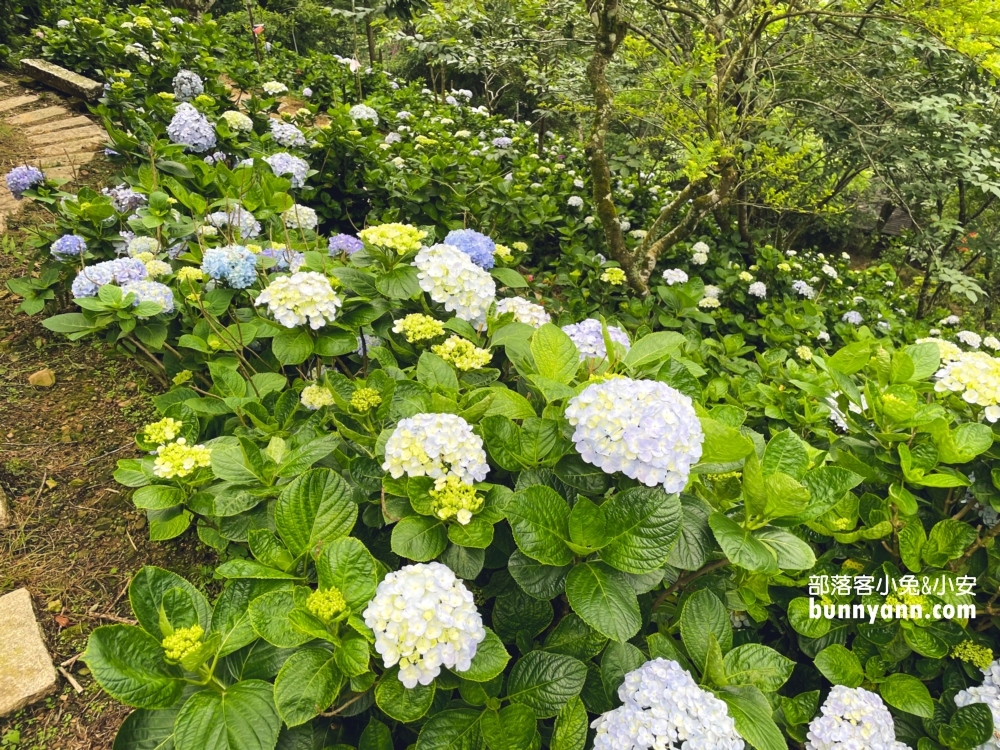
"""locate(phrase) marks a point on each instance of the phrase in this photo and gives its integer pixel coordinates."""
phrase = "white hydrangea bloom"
(712, 291)
(951, 320)
(969, 338)
(674, 276)
(273, 88)
(574, 201)
(699, 259)
(304, 297)
(524, 311)
(642, 428)
(700, 247)
(300, 217)
(451, 278)
(363, 112)
(424, 618)
(589, 338)
(435, 445)
(237, 121)
(315, 397)
(853, 719)
(664, 708)
(988, 693)
(758, 289)
(976, 375)
(853, 317)
(829, 270)
(991, 342)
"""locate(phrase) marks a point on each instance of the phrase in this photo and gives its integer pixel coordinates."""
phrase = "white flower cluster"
(304, 297)
(977, 376)
(664, 708)
(435, 445)
(424, 618)
(300, 217)
(363, 112)
(758, 289)
(969, 338)
(674, 276)
(853, 719)
(988, 693)
(699, 253)
(642, 428)
(451, 278)
(524, 311)
(589, 338)
(237, 121)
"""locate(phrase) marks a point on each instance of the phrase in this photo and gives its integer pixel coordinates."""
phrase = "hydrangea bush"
(461, 505)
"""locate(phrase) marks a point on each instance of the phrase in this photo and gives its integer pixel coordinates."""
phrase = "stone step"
(54, 125)
(70, 147)
(17, 101)
(80, 157)
(68, 172)
(90, 131)
(26, 671)
(37, 115)
(62, 79)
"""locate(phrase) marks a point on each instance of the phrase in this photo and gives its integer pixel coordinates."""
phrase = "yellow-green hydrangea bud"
(364, 399)
(910, 600)
(316, 396)
(326, 603)
(502, 251)
(613, 276)
(190, 273)
(178, 459)
(402, 238)
(453, 497)
(163, 431)
(204, 100)
(973, 653)
(804, 353)
(182, 377)
(418, 327)
(521, 247)
(462, 353)
(852, 565)
(182, 642)
(255, 249)
(355, 133)
(166, 95)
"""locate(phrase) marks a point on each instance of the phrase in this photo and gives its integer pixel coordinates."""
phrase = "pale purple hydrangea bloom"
(191, 129)
(853, 317)
(284, 259)
(187, 85)
(502, 142)
(234, 264)
(68, 246)
(23, 178)
(286, 164)
(236, 218)
(589, 338)
(118, 271)
(124, 199)
(151, 291)
(286, 134)
(344, 243)
(803, 289)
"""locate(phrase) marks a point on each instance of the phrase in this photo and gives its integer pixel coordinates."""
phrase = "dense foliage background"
(763, 235)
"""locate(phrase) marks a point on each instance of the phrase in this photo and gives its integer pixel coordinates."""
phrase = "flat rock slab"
(26, 671)
(59, 78)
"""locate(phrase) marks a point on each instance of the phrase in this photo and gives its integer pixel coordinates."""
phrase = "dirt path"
(74, 539)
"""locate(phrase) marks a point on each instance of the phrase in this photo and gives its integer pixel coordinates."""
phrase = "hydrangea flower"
(502, 142)
(712, 291)
(191, 129)
(451, 497)
(237, 218)
(163, 431)
(23, 178)
(979, 656)
(237, 121)
(589, 338)
(976, 375)
(365, 399)
(142, 245)
(642, 428)
(234, 264)
(524, 311)
(286, 164)
(344, 243)
(301, 298)
(700, 247)
(187, 85)
(853, 317)
(662, 705)
(363, 112)
(366, 343)
(326, 604)
(315, 397)
(991, 342)
(462, 353)
(117, 271)
(674, 276)
(424, 618)
(435, 445)
(124, 199)
(68, 246)
(477, 246)
(274, 88)
(613, 276)
(946, 350)
(182, 642)
(574, 201)
(757, 289)
(151, 291)
(401, 238)
(951, 320)
(300, 217)
(829, 270)
(451, 278)
(709, 303)
(284, 259)
(178, 459)
(803, 289)
(286, 134)
(418, 327)
(969, 338)
(853, 718)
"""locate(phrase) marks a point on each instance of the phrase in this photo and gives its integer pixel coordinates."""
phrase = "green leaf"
(840, 666)
(399, 283)
(570, 730)
(490, 660)
(347, 565)
(604, 600)
(703, 616)
(926, 359)
(167, 524)
(375, 737)
(292, 346)
(308, 683)
(146, 729)
(546, 682)
(580, 475)
(314, 508)
(587, 524)
(510, 728)
(509, 277)
(785, 453)
(436, 374)
(556, 356)
(970, 727)
(269, 616)
(948, 540)
(964, 443)
(723, 444)
(757, 665)
(741, 547)
(146, 592)
(399, 702)
(241, 717)
(157, 497)
(539, 519)
(791, 552)
(455, 729)
(851, 358)
(419, 538)
(827, 486)
(129, 665)
(68, 323)
(752, 715)
(540, 581)
(653, 348)
(908, 694)
(641, 527)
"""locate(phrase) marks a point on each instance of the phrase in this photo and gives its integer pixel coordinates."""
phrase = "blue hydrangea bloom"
(234, 264)
(287, 134)
(191, 129)
(23, 178)
(284, 259)
(151, 291)
(477, 246)
(68, 246)
(344, 243)
(187, 85)
(124, 199)
(118, 271)
(286, 164)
